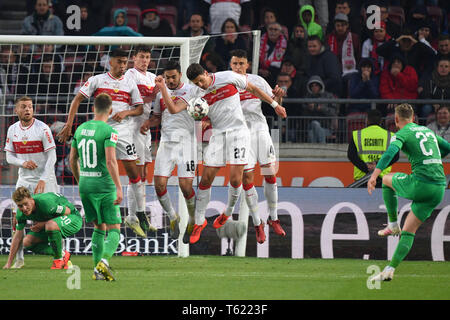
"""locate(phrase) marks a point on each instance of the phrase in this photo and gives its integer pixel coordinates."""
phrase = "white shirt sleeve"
(157, 104)
(47, 139)
(136, 97)
(239, 80)
(89, 87)
(49, 164)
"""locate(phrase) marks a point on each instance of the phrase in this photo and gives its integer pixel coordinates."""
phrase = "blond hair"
(102, 103)
(21, 193)
(23, 98)
(404, 111)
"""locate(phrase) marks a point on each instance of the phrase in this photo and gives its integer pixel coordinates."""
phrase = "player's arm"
(383, 163)
(137, 111)
(15, 243)
(173, 106)
(444, 146)
(279, 110)
(48, 168)
(74, 165)
(15, 161)
(66, 131)
(153, 121)
(113, 168)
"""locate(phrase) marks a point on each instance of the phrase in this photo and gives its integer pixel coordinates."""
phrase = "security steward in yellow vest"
(367, 147)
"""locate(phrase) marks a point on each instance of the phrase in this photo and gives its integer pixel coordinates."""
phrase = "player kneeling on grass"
(94, 144)
(54, 216)
(425, 186)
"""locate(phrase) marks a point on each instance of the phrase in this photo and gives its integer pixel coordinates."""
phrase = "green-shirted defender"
(97, 174)
(54, 217)
(425, 186)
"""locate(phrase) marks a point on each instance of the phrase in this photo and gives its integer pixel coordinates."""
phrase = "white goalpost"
(25, 70)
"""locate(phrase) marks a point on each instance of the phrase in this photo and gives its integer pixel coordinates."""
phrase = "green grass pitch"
(224, 278)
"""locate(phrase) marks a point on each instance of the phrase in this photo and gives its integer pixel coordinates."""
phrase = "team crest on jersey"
(24, 139)
(86, 83)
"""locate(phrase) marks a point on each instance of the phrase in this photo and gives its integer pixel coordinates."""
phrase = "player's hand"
(119, 116)
(205, 123)
(278, 92)
(64, 134)
(281, 111)
(119, 196)
(371, 184)
(159, 81)
(30, 165)
(145, 127)
(38, 226)
(40, 187)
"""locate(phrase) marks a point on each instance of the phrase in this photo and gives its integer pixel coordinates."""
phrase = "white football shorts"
(262, 150)
(125, 148)
(182, 154)
(230, 147)
(143, 144)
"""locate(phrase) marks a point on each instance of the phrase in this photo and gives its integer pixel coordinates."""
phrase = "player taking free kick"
(425, 186)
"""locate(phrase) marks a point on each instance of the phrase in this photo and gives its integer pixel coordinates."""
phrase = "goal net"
(50, 70)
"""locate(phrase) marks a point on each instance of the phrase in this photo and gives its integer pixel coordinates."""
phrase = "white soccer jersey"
(123, 91)
(31, 143)
(146, 84)
(251, 104)
(177, 125)
(225, 111)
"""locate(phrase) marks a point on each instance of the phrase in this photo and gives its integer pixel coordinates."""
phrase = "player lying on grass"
(97, 173)
(425, 186)
(54, 217)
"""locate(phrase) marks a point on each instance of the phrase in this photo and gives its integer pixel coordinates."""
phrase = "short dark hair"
(373, 117)
(102, 103)
(444, 37)
(118, 53)
(194, 70)
(238, 53)
(172, 65)
(142, 48)
(314, 38)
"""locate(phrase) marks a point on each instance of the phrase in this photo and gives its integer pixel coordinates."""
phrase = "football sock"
(131, 202)
(251, 198)
(19, 254)
(233, 196)
(111, 243)
(98, 242)
(271, 195)
(166, 204)
(140, 197)
(391, 201)
(190, 203)
(201, 202)
(41, 248)
(55, 239)
(403, 247)
(138, 194)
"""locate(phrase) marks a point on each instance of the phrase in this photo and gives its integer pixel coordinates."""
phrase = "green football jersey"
(91, 139)
(421, 146)
(49, 205)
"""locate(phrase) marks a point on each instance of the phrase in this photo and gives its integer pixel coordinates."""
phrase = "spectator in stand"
(196, 28)
(306, 17)
(414, 53)
(346, 46)
(363, 85)
(441, 126)
(88, 23)
(229, 41)
(13, 75)
(221, 10)
(152, 25)
(418, 16)
(323, 63)
(443, 47)
(399, 81)
(213, 62)
(269, 16)
(284, 81)
(435, 86)
(424, 35)
(369, 48)
(321, 7)
(120, 27)
(392, 28)
(298, 79)
(48, 49)
(319, 131)
(47, 81)
(297, 48)
(271, 53)
(352, 12)
(42, 21)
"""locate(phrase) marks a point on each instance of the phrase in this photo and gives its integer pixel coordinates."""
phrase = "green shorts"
(425, 196)
(68, 225)
(100, 207)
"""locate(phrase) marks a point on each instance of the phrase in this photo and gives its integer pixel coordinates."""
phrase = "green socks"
(391, 201)
(404, 246)
(98, 241)
(55, 239)
(111, 243)
(41, 248)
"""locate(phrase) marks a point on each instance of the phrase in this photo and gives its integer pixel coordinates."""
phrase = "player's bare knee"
(51, 226)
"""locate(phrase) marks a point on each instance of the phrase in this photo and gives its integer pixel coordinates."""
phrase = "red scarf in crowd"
(347, 53)
(276, 57)
(374, 55)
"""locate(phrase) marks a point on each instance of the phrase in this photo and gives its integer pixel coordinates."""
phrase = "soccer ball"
(198, 108)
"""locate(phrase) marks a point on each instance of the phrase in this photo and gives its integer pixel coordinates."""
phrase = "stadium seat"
(436, 15)
(355, 121)
(133, 15)
(170, 13)
(397, 15)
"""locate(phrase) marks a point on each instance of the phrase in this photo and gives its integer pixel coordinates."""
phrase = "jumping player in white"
(177, 146)
(229, 142)
(126, 103)
(31, 147)
(262, 149)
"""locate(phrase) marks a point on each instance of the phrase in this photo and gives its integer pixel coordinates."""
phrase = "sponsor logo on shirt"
(114, 137)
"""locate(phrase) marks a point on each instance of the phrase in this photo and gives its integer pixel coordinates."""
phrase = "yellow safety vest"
(371, 143)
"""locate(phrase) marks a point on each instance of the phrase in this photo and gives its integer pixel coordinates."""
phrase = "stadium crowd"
(322, 49)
